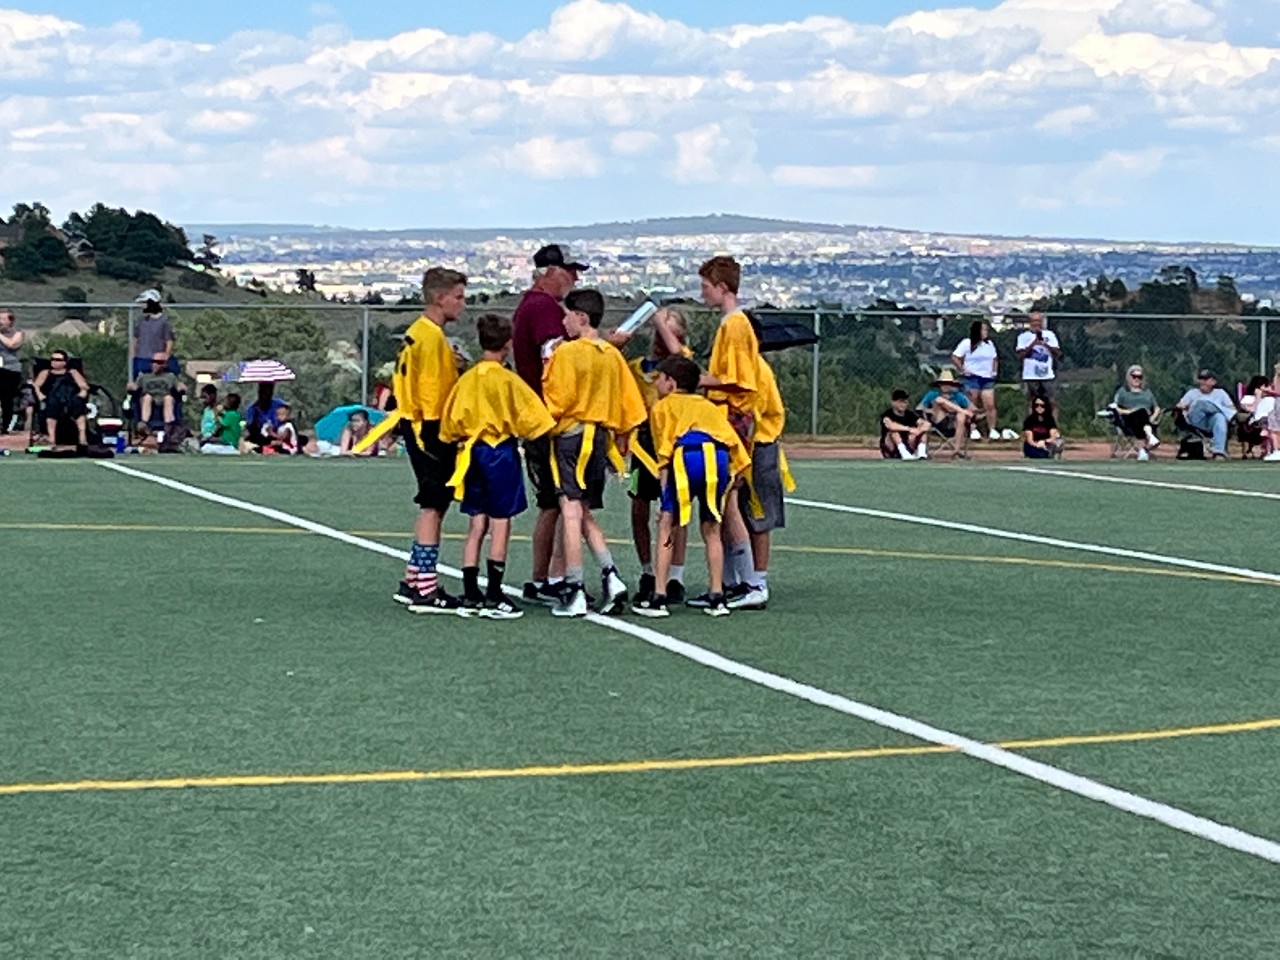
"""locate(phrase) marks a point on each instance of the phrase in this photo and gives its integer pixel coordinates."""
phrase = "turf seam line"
(1259, 576)
(669, 764)
(1221, 834)
(1157, 484)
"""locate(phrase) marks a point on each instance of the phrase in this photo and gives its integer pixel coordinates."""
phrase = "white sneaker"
(574, 605)
(975, 434)
(1273, 457)
(993, 435)
(615, 593)
(1143, 456)
(1153, 441)
(756, 598)
(1007, 434)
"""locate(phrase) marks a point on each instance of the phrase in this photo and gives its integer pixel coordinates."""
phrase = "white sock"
(922, 451)
(677, 573)
(647, 569)
(762, 579)
(745, 567)
(904, 453)
(737, 564)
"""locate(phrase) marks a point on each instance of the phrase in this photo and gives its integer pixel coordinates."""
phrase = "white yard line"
(1158, 484)
(1082, 547)
(1174, 817)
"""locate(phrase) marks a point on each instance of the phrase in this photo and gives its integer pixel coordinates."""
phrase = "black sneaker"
(700, 602)
(437, 601)
(654, 607)
(543, 593)
(645, 590)
(614, 590)
(717, 607)
(500, 609)
(675, 591)
(404, 593)
(471, 606)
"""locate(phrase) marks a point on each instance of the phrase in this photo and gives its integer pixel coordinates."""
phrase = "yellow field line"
(777, 548)
(620, 767)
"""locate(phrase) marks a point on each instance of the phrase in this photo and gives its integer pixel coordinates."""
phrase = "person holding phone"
(1039, 351)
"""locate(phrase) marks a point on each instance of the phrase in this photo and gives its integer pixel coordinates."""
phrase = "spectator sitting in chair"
(1040, 437)
(1209, 409)
(158, 386)
(64, 394)
(904, 434)
(949, 409)
(1138, 410)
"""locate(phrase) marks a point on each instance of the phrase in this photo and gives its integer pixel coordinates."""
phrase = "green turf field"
(221, 738)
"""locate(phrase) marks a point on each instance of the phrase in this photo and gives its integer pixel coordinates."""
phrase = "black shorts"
(644, 485)
(65, 408)
(537, 464)
(433, 462)
(568, 451)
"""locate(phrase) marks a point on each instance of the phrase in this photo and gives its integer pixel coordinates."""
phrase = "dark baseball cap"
(554, 255)
(1206, 374)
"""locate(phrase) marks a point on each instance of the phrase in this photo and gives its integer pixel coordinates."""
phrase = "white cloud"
(658, 114)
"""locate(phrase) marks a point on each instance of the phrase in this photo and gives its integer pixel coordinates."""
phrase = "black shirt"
(1040, 425)
(908, 418)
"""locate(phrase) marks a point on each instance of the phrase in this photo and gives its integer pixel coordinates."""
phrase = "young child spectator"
(425, 375)
(208, 412)
(488, 411)
(157, 386)
(669, 340)
(1040, 437)
(590, 394)
(949, 410)
(731, 381)
(698, 455)
(228, 430)
(980, 365)
(904, 434)
(283, 435)
(356, 429)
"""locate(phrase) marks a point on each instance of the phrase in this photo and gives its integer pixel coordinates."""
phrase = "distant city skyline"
(1115, 119)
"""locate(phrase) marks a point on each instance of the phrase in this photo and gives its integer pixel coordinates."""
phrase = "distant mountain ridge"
(714, 224)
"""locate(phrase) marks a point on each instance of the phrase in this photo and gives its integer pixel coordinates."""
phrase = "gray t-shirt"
(1142, 399)
(1217, 396)
(154, 331)
(9, 356)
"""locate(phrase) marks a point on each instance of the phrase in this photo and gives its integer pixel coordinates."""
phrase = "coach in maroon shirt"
(539, 320)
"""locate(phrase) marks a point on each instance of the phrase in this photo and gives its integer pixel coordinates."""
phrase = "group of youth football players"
(698, 440)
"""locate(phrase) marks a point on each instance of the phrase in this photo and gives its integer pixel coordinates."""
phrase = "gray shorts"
(766, 481)
(1043, 387)
(567, 451)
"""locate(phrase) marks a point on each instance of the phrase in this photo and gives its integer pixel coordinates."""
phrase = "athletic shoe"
(756, 598)
(993, 435)
(614, 590)
(1152, 441)
(437, 601)
(543, 593)
(975, 434)
(1007, 434)
(470, 606)
(573, 603)
(1143, 456)
(675, 591)
(654, 607)
(1272, 457)
(646, 587)
(1220, 456)
(502, 609)
(703, 600)
(404, 593)
(719, 607)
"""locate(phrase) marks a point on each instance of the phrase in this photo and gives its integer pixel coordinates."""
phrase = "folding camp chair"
(1123, 444)
(942, 437)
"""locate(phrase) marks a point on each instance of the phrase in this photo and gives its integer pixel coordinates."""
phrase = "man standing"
(1039, 351)
(152, 335)
(1209, 408)
(536, 324)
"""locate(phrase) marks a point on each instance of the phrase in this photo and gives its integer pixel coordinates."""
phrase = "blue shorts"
(494, 486)
(978, 383)
(689, 447)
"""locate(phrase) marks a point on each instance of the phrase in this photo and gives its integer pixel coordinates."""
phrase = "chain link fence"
(836, 387)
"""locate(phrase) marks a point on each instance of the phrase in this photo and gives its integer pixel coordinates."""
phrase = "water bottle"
(121, 443)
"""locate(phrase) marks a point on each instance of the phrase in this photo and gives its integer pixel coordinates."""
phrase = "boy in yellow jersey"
(731, 381)
(698, 455)
(425, 374)
(669, 340)
(489, 410)
(763, 500)
(593, 399)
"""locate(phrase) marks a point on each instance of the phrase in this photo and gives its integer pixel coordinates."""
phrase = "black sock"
(471, 583)
(497, 570)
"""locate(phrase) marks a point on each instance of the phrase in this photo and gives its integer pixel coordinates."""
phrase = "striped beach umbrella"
(263, 371)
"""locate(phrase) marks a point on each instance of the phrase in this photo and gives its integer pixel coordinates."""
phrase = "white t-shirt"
(1039, 364)
(980, 361)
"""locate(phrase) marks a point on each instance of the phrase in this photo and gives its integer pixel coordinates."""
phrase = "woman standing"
(10, 368)
(978, 362)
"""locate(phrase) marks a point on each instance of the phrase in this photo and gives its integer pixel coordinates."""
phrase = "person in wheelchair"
(63, 392)
(157, 387)
(1138, 412)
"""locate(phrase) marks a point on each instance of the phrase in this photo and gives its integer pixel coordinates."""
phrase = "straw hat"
(946, 376)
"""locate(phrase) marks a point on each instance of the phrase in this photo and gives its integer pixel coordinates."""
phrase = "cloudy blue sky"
(1145, 119)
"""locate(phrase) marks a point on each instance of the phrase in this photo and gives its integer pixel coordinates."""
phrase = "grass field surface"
(222, 739)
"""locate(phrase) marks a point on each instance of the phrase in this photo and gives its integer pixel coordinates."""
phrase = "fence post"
(817, 357)
(364, 363)
(1262, 347)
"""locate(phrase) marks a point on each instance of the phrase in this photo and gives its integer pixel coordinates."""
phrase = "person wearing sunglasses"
(64, 394)
(1138, 410)
(1040, 437)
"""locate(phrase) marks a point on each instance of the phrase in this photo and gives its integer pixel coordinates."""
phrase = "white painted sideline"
(1181, 820)
(1260, 575)
(1160, 484)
